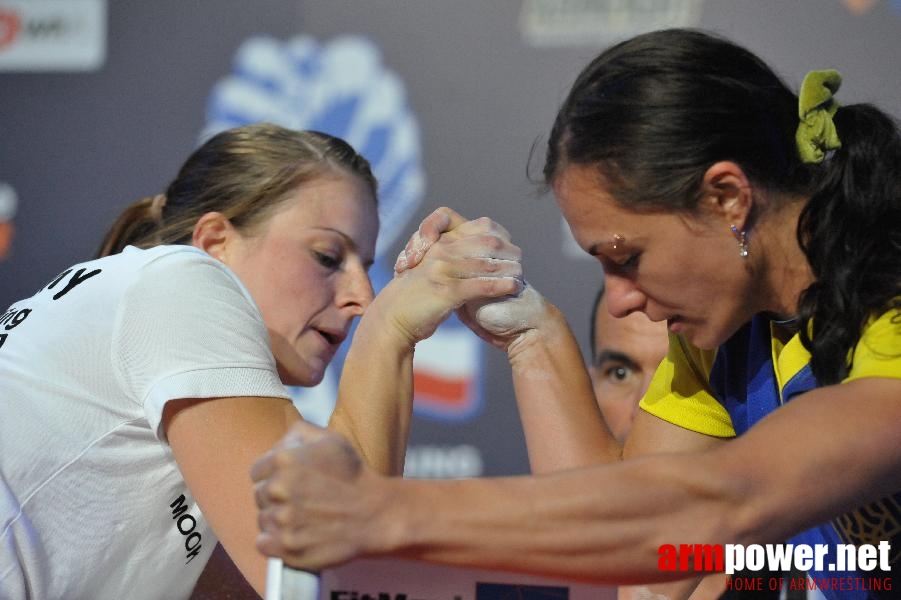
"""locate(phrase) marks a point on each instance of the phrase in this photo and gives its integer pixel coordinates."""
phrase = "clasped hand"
(448, 263)
(316, 499)
(499, 319)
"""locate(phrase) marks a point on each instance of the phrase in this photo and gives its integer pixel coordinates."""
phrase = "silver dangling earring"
(742, 237)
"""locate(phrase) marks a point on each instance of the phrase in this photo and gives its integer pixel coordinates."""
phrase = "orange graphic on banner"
(860, 6)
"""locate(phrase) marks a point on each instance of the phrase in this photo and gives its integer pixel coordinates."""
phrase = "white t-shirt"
(92, 504)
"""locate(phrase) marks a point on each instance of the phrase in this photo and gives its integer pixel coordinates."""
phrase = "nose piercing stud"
(617, 240)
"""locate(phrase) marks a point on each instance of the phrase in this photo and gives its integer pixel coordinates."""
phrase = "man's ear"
(728, 193)
(213, 233)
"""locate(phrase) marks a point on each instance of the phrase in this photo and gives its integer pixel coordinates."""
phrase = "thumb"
(441, 220)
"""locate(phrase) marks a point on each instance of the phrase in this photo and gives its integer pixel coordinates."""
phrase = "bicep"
(653, 435)
(214, 442)
(840, 440)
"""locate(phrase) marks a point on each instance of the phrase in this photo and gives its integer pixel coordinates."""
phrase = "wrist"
(533, 344)
(388, 531)
(380, 322)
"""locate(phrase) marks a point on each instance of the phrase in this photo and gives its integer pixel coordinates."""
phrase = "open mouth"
(331, 337)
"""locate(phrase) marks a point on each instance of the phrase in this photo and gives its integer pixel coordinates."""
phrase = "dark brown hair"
(653, 113)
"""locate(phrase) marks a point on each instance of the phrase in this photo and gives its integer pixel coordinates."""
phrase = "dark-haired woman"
(765, 228)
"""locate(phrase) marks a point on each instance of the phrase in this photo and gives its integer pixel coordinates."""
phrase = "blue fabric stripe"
(743, 379)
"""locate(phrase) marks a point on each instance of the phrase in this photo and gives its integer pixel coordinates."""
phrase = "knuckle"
(283, 516)
(283, 459)
(274, 491)
(490, 241)
(490, 265)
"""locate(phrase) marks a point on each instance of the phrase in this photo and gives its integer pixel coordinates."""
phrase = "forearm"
(601, 524)
(560, 416)
(474, 261)
(375, 394)
(607, 523)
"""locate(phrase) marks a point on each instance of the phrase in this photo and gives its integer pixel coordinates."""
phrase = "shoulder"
(181, 295)
(133, 265)
(169, 259)
(680, 391)
(181, 273)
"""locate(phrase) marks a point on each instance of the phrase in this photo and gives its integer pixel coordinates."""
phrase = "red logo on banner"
(10, 24)
(446, 374)
(450, 393)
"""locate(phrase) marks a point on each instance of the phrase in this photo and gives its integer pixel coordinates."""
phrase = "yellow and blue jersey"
(724, 392)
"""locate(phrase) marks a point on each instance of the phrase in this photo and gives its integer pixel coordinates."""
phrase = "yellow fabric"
(680, 391)
(878, 354)
(788, 359)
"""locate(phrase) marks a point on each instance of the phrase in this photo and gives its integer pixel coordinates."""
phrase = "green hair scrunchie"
(816, 132)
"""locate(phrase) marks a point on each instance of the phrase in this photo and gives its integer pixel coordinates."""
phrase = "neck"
(787, 272)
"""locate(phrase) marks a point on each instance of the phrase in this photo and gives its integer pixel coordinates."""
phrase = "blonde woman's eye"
(327, 260)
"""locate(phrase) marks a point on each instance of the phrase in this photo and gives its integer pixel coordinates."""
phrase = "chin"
(708, 338)
(301, 377)
(703, 339)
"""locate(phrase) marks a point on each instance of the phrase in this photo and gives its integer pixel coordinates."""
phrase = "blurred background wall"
(101, 101)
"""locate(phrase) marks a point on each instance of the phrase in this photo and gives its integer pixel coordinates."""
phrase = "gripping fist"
(448, 262)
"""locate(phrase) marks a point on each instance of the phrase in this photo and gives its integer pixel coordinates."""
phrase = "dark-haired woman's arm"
(603, 524)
